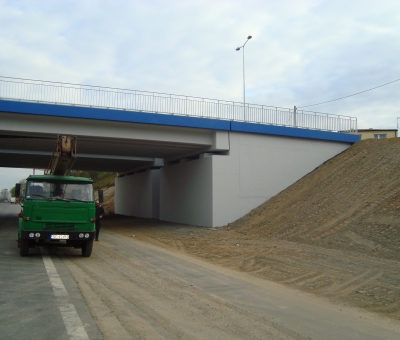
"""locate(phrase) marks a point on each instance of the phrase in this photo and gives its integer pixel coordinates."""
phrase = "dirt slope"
(351, 202)
(334, 233)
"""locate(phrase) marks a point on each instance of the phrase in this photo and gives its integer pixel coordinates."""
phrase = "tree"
(4, 194)
(94, 175)
(23, 186)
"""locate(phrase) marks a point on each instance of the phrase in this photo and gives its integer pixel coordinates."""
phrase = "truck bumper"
(43, 235)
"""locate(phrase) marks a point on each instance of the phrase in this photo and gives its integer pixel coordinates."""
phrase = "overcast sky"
(301, 53)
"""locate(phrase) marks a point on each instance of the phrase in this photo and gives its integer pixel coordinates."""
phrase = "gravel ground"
(335, 233)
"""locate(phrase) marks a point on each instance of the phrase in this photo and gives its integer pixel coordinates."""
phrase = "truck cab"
(57, 211)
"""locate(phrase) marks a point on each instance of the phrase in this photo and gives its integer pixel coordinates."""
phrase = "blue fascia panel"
(169, 120)
(112, 115)
(285, 131)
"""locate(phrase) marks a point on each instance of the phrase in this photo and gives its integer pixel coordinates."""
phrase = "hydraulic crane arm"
(63, 157)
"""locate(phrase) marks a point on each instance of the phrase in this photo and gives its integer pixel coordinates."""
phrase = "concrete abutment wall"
(215, 190)
(138, 195)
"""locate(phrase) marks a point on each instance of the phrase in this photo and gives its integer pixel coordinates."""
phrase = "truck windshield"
(70, 191)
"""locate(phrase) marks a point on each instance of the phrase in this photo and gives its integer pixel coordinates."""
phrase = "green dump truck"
(57, 211)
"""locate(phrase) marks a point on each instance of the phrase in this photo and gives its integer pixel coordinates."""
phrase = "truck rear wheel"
(87, 248)
(24, 249)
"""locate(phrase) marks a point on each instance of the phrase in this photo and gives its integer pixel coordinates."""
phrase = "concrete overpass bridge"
(181, 159)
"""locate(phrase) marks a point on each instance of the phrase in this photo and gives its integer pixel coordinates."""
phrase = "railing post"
(135, 100)
(327, 122)
(316, 120)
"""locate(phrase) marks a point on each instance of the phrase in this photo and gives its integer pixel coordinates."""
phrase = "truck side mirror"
(17, 190)
(101, 197)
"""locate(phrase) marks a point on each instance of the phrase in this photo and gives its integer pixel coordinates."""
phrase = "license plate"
(59, 237)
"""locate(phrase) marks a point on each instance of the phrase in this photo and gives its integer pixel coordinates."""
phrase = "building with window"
(377, 134)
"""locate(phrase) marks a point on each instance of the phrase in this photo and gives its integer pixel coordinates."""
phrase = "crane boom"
(64, 156)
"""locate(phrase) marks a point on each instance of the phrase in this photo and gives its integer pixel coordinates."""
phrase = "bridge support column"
(139, 194)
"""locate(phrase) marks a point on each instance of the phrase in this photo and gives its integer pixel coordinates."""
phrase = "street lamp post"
(244, 83)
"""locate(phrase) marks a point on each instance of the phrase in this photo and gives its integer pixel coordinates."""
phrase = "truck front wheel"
(24, 248)
(87, 248)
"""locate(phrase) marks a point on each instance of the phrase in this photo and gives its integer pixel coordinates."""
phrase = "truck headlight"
(87, 235)
(80, 235)
(31, 235)
(37, 234)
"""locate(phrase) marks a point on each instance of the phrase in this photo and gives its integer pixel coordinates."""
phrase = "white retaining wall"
(186, 192)
(138, 195)
(218, 189)
(259, 167)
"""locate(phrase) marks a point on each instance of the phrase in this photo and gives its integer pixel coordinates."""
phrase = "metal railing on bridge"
(132, 100)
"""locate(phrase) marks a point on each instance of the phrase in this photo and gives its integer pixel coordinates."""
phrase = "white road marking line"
(72, 322)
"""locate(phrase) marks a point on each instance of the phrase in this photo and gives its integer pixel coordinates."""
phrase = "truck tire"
(24, 249)
(87, 248)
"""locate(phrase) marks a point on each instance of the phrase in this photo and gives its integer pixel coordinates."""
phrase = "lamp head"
(238, 49)
(249, 37)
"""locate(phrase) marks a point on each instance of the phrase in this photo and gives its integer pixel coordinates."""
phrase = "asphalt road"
(31, 306)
